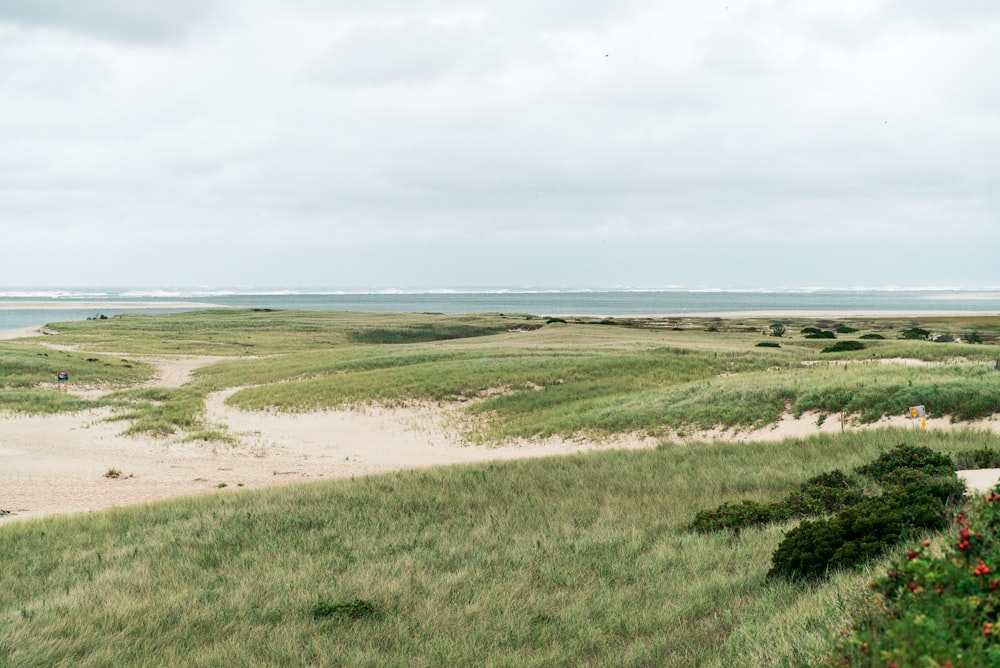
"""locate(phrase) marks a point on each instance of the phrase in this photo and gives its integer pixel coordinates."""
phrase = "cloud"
(282, 133)
(134, 21)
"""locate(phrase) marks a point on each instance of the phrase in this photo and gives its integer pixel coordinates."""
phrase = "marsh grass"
(571, 561)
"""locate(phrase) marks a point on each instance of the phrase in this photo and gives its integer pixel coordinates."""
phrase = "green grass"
(28, 377)
(570, 561)
(531, 379)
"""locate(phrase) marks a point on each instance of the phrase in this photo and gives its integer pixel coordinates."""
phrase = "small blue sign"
(62, 375)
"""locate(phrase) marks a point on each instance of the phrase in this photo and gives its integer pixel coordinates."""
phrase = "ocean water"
(18, 305)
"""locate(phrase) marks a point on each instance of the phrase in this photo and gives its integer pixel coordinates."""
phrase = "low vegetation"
(571, 561)
(574, 561)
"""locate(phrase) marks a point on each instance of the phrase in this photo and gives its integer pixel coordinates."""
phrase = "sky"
(451, 143)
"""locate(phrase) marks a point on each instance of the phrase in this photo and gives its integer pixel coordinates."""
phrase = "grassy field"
(571, 561)
(524, 377)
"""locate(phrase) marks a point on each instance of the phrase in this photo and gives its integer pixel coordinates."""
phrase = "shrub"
(550, 321)
(823, 334)
(913, 457)
(768, 344)
(846, 329)
(872, 336)
(811, 330)
(916, 334)
(820, 495)
(778, 330)
(935, 607)
(844, 346)
(973, 337)
(735, 516)
(945, 338)
(858, 533)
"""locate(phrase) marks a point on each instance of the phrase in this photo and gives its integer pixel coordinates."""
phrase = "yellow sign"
(918, 412)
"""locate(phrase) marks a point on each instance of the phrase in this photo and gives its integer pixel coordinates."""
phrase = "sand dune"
(59, 464)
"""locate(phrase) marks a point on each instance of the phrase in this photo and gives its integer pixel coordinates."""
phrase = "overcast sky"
(560, 143)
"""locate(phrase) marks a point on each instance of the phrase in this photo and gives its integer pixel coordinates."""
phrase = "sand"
(61, 464)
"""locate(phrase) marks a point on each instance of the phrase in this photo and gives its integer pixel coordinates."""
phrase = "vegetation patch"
(820, 495)
(938, 604)
(844, 346)
(916, 334)
(918, 485)
(351, 611)
(422, 333)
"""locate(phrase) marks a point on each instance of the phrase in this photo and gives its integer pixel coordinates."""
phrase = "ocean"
(24, 307)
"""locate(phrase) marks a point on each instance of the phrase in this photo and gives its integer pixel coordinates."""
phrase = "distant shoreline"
(59, 305)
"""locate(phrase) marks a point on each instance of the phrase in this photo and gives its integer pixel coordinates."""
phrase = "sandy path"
(57, 464)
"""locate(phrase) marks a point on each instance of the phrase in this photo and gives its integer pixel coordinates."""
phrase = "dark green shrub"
(873, 336)
(734, 516)
(843, 347)
(915, 457)
(973, 337)
(846, 329)
(550, 321)
(824, 334)
(858, 533)
(777, 329)
(916, 334)
(945, 338)
(810, 330)
(768, 344)
(820, 495)
(832, 491)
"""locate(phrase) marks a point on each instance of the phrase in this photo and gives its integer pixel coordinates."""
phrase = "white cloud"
(556, 129)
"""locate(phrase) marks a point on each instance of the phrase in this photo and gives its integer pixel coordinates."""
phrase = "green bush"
(824, 334)
(844, 346)
(820, 495)
(845, 329)
(935, 607)
(857, 534)
(811, 330)
(873, 336)
(768, 344)
(735, 516)
(912, 457)
(916, 334)
(973, 337)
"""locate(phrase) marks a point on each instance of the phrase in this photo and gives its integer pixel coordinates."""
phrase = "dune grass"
(28, 377)
(571, 561)
(531, 378)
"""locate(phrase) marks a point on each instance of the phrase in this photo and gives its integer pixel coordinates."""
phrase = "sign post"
(919, 413)
(62, 380)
